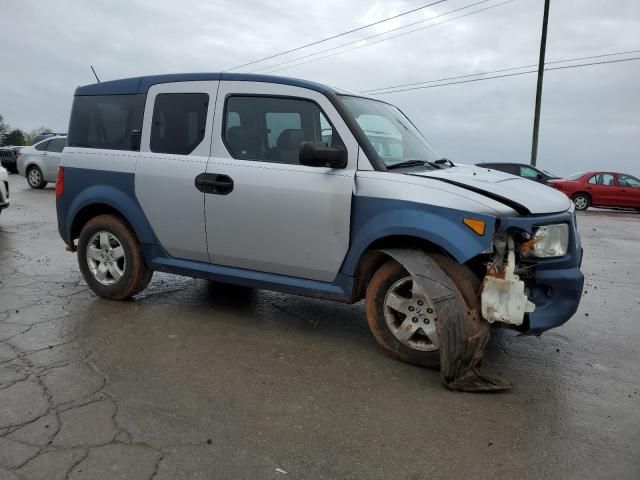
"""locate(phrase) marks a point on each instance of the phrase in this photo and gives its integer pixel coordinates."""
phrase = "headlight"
(550, 241)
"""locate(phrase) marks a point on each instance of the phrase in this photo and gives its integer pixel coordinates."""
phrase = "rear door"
(51, 157)
(603, 189)
(276, 215)
(629, 191)
(174, 149)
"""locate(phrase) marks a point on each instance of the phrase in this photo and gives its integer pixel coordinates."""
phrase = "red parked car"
(600, 189)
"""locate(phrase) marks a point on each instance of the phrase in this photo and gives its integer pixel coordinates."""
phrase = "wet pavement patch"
(198, 380)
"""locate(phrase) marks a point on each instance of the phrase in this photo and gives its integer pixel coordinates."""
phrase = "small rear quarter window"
(106, 122)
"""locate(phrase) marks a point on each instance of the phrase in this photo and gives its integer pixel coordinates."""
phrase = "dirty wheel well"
(91, 211)
(372, 259)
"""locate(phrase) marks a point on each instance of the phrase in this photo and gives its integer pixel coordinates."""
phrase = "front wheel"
(35, 179)
(581, 201)
(399, 315)
(110, 258)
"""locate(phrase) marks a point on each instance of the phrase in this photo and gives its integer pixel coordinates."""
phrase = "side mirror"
(317, 154)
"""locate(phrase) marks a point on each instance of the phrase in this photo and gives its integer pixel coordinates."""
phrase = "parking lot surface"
(198, 380)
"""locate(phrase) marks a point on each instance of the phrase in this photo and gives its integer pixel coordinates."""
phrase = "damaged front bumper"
(533, 295)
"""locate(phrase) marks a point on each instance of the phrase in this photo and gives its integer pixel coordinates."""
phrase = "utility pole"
(536, 119)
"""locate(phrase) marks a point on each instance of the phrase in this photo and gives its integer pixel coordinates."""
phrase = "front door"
(174, 149)
(629, 191)
(270, 213)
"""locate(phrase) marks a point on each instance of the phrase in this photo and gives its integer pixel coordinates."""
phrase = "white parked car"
(39, 162)
(4, 189)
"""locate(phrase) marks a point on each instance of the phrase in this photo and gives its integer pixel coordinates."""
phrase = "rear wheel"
(110, 258)
(35, 179)
(399, 316)
(581, 201)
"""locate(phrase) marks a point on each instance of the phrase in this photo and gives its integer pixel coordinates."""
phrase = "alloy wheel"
(410, 317)
(106, 258)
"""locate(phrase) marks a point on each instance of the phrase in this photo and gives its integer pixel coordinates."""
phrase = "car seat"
(288, 146)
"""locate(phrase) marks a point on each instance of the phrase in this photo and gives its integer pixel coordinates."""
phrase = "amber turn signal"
(475, 225)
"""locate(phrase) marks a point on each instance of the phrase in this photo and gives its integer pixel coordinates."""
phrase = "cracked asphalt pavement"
(192, 380)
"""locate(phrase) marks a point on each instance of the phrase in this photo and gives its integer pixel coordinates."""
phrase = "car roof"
(482, 164)
(134, 85)
(50, 137)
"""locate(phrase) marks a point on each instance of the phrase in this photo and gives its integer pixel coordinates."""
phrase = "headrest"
(290, 138)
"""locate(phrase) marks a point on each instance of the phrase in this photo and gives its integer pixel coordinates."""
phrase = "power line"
(509, 75)
(337, 35)
(395, 36)
(371, 36)
(390, 87)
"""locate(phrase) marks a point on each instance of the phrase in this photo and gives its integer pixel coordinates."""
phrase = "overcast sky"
(590, 116)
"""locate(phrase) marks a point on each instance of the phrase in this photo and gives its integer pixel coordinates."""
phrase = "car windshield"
(575, 176)
(549, 174)
(389, 132)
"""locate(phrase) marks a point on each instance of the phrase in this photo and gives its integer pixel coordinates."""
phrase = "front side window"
(391, 135)
(605, 179)
(629, 181)
(271, 129)
(106, 121)
(179, 122)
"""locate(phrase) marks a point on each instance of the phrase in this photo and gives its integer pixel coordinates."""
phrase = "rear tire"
(110, 258)
(35, 179)
(581, 201)
(392, 274)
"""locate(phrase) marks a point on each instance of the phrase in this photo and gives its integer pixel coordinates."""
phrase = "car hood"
(524, 196)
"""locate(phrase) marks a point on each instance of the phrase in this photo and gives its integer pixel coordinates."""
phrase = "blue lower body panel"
(557, 296)
(339, 290)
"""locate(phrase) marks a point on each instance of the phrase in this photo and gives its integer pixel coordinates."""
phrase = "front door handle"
(214, 183)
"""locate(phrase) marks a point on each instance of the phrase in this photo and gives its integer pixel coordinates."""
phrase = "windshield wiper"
(408, 163)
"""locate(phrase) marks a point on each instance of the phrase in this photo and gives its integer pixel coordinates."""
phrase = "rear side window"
(106, 121)
(57, 145)
(41, 146)
(605, 179)
(179, 122)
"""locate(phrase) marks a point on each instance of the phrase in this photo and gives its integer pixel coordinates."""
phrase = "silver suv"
(39, 162)
(289, 185)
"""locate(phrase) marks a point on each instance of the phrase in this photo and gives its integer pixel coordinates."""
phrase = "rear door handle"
(214, 183)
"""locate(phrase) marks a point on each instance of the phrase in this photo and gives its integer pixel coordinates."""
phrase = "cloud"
(589, 116)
